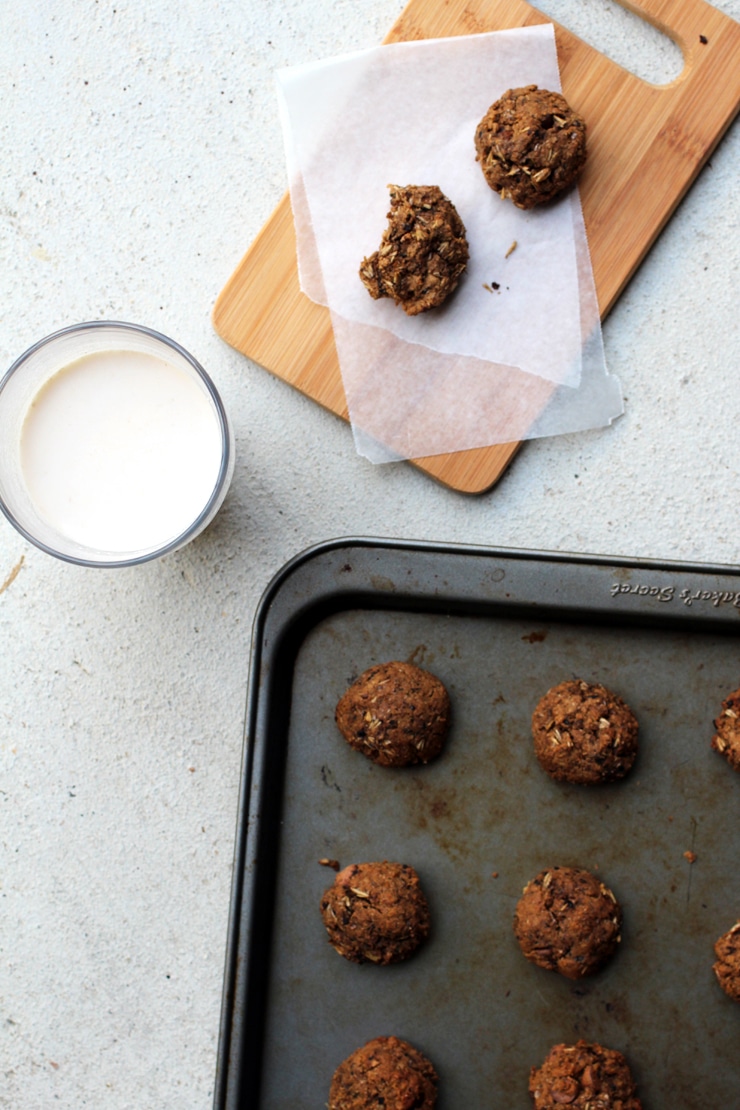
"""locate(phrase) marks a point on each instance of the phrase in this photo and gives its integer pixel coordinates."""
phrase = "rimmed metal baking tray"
(499, 627)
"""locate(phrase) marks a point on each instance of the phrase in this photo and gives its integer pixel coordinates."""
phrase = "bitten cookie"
(376, 913)
(423, 252)
(727, 738)
(585, 1077)
(727, 967)
(396, 714)
(385, 1072)
(531, 145)
(583, 733)
(568, 921)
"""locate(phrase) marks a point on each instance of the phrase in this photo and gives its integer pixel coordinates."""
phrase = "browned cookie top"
(727, 967)
(568, 921)
(584, 733)
(386, 1072)
(376, 912)
(583, 1077)
(531, 145)
(423, 252)
(396, 714)
(727, 738)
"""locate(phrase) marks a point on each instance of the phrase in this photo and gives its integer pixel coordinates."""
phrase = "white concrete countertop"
(140, 155)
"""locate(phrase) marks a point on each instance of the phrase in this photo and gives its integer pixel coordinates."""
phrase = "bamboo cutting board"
(646, 145)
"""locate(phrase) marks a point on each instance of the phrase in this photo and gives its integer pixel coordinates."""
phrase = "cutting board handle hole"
(626, 38)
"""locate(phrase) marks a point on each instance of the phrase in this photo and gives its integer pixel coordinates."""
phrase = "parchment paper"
(517, 351)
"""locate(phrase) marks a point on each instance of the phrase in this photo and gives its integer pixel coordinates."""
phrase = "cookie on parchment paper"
(531, 146)
(423, 252)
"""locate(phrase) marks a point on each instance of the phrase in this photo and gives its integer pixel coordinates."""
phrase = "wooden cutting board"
(646, 145)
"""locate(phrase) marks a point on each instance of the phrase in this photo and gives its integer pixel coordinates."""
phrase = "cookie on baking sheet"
(727, 738)
(423, 252)
(385, 1072)
(396, 714)
(568, 921)
(584, 733)
(727, 967)
(376, 913)
(583, 1076)
(531, 145)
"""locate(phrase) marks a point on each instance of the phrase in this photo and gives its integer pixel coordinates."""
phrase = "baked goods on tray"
(568, 921)
(396, 714)
(385, 1072)
(583, 1076)
(727, 967)
(376, 912)
(583, 733)
(726, 740)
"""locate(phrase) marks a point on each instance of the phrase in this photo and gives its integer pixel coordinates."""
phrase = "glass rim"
(224, 427)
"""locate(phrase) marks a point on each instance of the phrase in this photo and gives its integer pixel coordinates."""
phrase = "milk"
(120, 451)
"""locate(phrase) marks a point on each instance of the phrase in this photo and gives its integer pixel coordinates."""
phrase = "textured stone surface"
(140, 155)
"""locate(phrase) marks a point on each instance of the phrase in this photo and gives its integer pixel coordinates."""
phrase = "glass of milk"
(115, 446)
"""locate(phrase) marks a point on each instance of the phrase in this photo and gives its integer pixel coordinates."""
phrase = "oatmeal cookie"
(568, 921)
(396, 714)
(585, 1076)
(385, 1072)
(376, 913)
(423, 252)
(583, 733)
(727, 967)
(727, 738)
(531, 145)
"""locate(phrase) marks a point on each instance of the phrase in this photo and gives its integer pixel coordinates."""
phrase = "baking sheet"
(499, 628)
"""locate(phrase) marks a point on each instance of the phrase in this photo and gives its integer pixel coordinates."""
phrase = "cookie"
(583, 1077)
(376, 913)
(568, 921)
(530, 145)
(385, 1072)
(584, 733)
(727, 738)
(396, 714)
(727, 967)
(423, 252)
